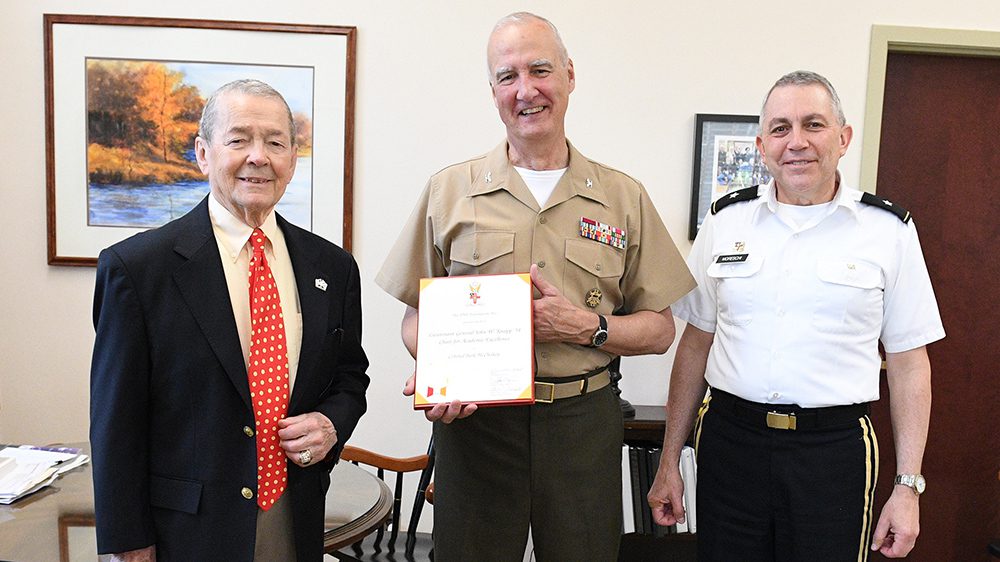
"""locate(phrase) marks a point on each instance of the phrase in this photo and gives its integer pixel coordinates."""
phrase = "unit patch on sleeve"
(603, 233)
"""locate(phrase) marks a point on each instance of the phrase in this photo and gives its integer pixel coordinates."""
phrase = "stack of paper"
(27, 469)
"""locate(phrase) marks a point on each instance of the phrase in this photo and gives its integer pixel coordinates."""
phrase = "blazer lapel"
(315, 305)
(202, 284)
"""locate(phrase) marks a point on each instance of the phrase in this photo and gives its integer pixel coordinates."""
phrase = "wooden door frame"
(899, 39)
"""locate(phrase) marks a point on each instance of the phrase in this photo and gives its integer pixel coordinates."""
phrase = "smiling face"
(531, 79)
(251, 156)
(802, 141)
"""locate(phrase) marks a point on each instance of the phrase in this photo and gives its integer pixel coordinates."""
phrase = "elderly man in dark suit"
(228, 370)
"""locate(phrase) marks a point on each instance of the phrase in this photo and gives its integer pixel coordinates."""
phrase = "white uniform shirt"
(799, 319)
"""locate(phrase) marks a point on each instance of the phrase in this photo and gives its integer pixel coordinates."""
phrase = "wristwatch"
(915, 482)
(601, 335)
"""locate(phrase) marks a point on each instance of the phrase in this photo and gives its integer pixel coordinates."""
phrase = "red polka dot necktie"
(268, 374)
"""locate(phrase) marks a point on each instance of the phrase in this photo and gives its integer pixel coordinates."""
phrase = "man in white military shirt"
(798, 281)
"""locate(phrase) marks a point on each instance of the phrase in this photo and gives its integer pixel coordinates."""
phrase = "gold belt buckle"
(552, 392)
(777, 420)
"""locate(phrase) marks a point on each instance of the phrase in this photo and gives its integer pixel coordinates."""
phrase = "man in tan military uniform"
(606, 273)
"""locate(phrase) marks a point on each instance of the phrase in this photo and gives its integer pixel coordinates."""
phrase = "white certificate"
(475, 341)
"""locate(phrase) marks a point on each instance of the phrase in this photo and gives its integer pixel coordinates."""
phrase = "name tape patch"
(732, 258)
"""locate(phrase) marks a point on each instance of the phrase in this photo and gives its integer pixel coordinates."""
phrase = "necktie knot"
(257, 242)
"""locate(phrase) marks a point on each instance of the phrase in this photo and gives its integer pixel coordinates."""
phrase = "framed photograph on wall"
(725, 159)
(123, 97)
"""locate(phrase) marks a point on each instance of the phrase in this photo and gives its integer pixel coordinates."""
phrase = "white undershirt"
(800, 216)
(541, 182)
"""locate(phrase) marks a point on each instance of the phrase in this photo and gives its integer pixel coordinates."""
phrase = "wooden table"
(57, 523)
(357, 503)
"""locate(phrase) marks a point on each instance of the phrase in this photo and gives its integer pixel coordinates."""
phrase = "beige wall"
(643, 71)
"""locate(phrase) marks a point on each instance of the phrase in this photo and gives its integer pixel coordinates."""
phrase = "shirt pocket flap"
(174, 493)
(747, 268)
(851, 274)
(600, 260)
(477, 248)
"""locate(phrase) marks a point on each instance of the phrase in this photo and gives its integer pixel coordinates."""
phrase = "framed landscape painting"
(123, 100)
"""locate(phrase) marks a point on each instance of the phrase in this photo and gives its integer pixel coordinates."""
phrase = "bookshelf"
(644, 436)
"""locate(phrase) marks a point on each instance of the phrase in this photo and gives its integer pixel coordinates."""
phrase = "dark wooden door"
(940, 158)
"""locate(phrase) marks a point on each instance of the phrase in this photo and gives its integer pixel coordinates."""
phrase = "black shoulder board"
(745, 194)
(886, 205)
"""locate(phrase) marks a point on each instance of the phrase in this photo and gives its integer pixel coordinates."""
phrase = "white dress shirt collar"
(845, 198)
(234, 233)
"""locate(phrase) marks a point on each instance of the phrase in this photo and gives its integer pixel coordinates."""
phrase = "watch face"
(919, 484)
(599, 338)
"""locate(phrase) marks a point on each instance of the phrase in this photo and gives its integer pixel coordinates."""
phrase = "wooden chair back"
(400, 466)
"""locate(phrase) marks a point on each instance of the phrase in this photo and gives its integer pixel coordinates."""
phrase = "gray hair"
(523, 17)
(807, 78)
(247, 87)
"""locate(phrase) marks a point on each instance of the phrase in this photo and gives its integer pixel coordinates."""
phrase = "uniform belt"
(550, 389)
(788, 416)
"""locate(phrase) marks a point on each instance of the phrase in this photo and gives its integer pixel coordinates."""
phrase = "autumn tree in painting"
(141, 120)
(164, 100)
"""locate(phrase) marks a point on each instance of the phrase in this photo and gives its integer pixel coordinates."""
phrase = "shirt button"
(475, 255)
(247, 493)
(541, 263)
(543, 220)
(775, 396)
(597, 267)
(247, 431)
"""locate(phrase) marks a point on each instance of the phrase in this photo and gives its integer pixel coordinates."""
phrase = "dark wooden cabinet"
(647, 427)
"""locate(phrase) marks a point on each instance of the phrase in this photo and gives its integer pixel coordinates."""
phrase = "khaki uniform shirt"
(478, 217)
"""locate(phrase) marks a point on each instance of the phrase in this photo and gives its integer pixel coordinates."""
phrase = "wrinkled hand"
(147, 554)
(446, 412)
(556, 319)
(899, 524)
(312, 431)
(665, 498)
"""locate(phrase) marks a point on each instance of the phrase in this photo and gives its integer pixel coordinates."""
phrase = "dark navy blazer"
(170, 400)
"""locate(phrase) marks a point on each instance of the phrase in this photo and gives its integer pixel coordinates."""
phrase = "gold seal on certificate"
(474, 340)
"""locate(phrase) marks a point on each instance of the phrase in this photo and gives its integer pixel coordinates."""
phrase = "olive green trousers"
(554, 467)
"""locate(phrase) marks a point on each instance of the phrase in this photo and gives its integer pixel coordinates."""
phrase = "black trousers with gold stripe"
(778, 495)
